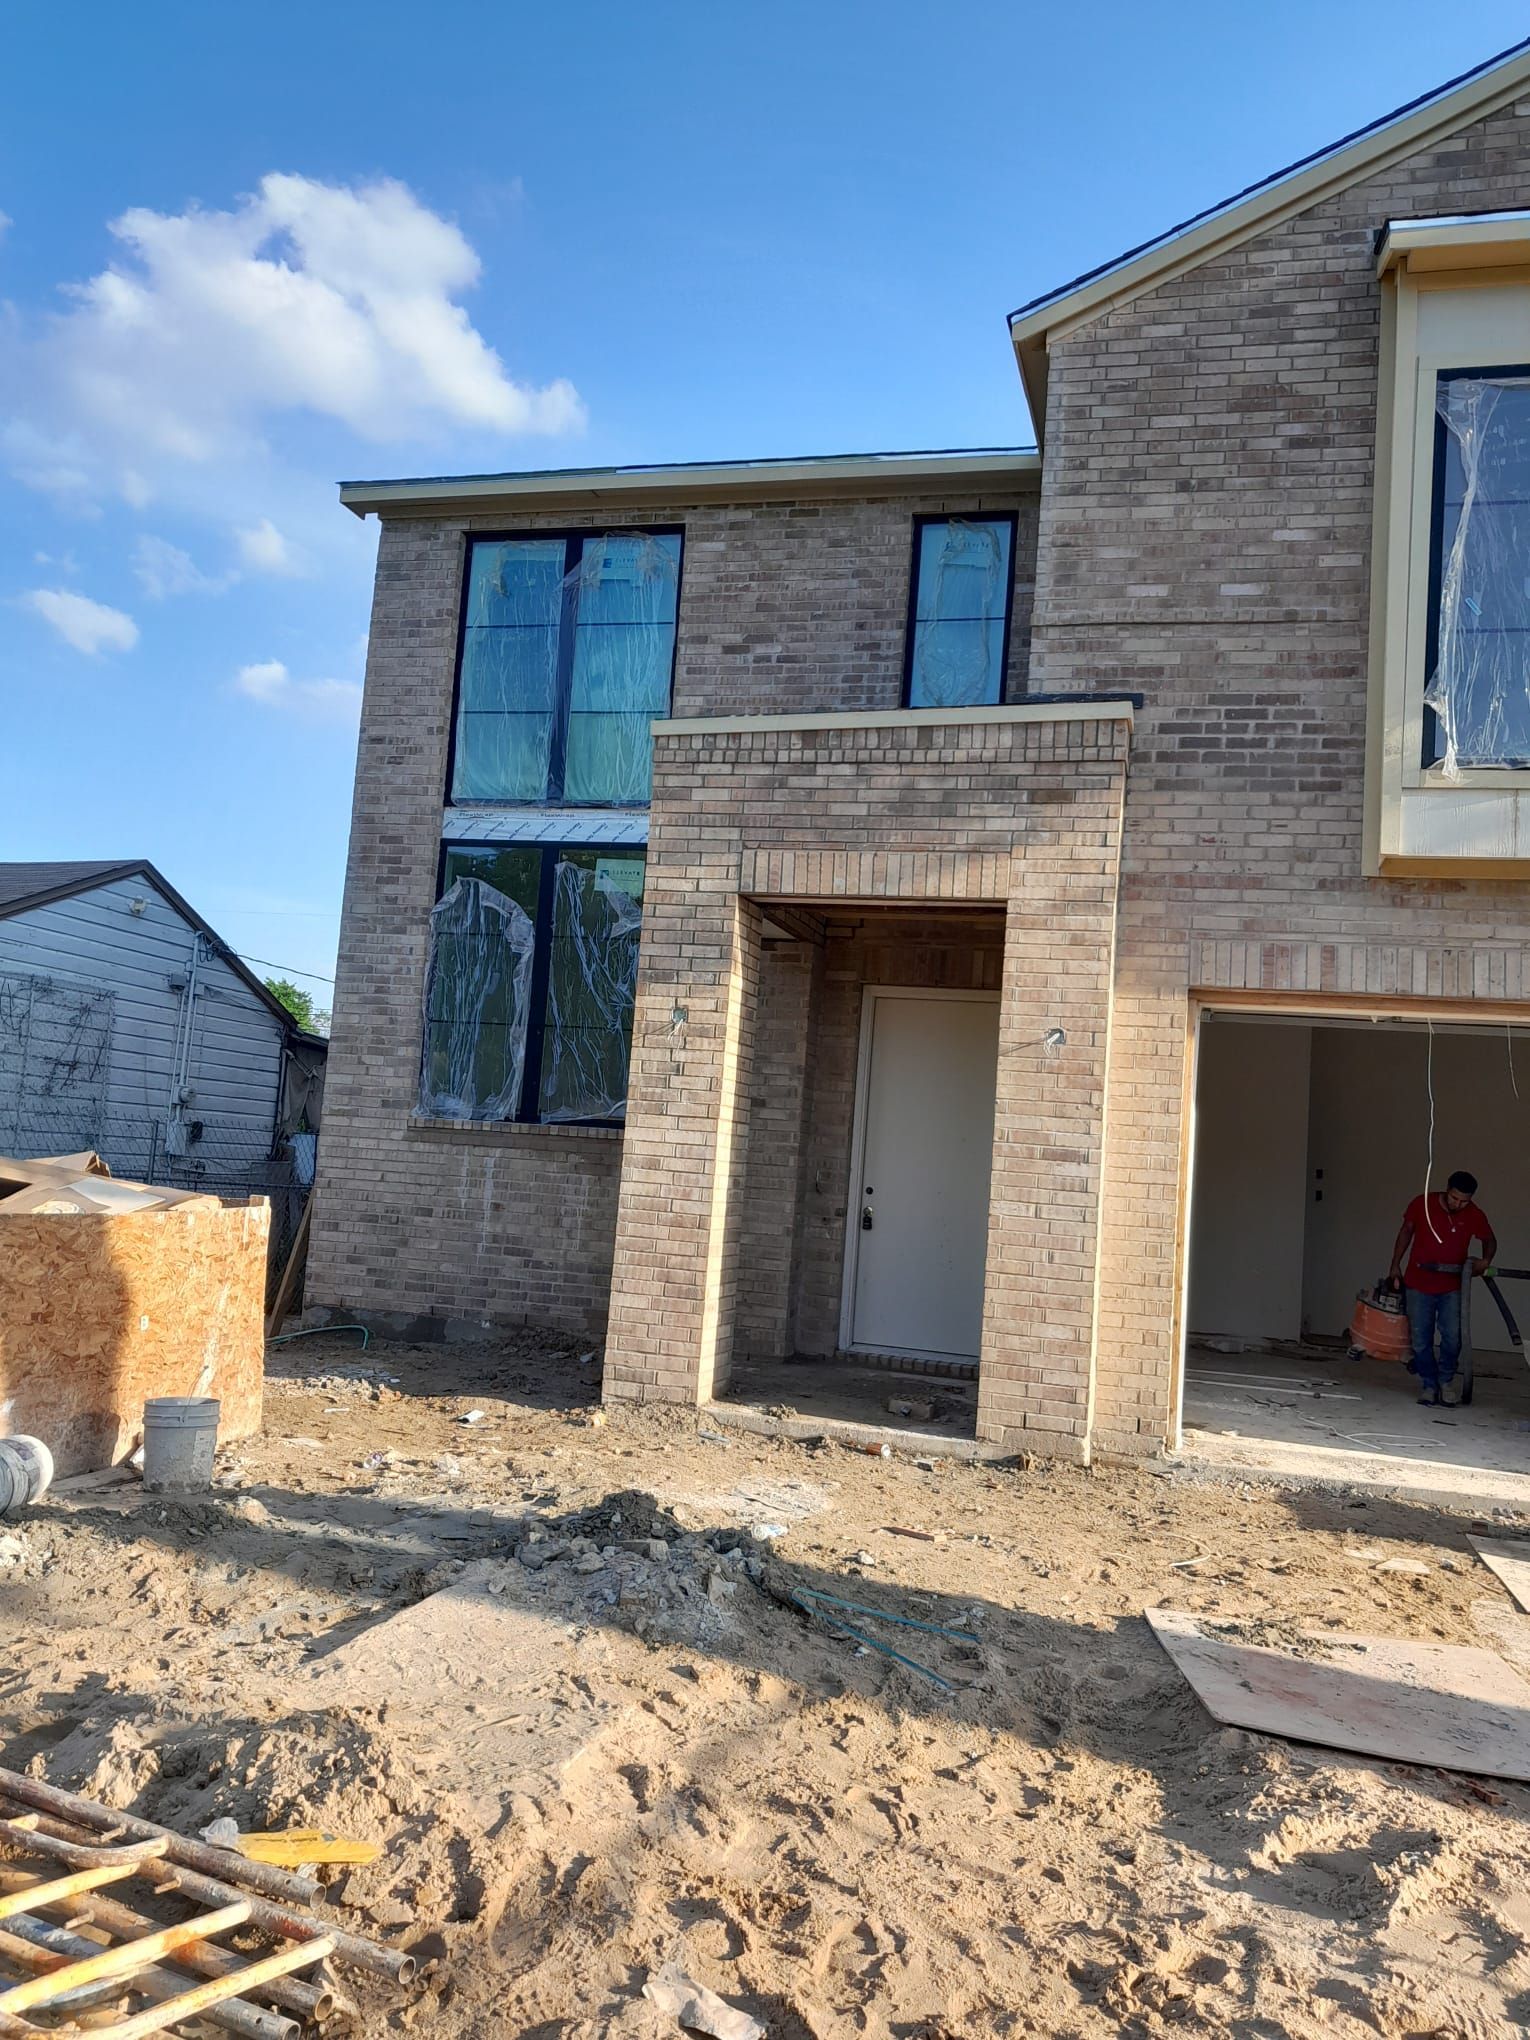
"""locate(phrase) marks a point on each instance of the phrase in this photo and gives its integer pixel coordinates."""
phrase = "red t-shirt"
(1440, 1235)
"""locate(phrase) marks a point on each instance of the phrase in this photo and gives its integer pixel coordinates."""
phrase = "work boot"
(1450, 1394)
(1430, 1398)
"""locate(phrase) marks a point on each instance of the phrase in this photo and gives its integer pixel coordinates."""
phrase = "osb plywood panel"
(97, 1313)
(1449, 1706)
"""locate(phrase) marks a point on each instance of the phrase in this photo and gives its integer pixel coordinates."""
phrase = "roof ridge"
(1275, 177)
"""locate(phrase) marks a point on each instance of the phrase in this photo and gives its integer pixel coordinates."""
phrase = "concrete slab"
(502, 1686)
(1311, 1413)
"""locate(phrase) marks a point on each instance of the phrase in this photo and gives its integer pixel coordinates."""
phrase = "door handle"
(865, 1218)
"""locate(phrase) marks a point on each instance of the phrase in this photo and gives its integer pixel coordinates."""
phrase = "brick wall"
(1015, 811)
(785, 607)
(1205, 536)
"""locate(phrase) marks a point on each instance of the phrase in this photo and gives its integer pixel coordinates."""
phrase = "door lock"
(865, 1218)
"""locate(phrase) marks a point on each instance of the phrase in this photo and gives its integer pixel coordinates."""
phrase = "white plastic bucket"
(180, 1436)
(26, 1468)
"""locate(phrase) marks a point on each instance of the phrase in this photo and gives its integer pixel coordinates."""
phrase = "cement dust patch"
(1509, 1557)
(1449, 1706)
(753, 1502)
(508, 1692)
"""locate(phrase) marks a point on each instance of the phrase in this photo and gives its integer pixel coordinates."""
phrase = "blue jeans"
(1426, 1315)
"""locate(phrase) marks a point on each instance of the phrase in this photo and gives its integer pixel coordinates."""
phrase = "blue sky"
(252, 251)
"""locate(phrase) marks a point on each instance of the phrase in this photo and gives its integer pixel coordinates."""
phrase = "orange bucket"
(1379, 1334)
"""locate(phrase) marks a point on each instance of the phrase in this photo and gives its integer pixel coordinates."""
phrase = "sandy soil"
(626, 1745)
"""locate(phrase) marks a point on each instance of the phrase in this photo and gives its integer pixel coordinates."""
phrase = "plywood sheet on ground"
(1509, 1557)
(1448, 1705)
(503, 1684)
(98, 1313)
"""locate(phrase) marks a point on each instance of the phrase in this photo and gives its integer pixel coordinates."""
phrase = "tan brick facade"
(1206, 529)
(1204, 538)
(1018, 809)
(785, 607)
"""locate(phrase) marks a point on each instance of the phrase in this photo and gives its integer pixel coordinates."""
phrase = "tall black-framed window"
(566, 656)
(531, 982)
(960, 596)
(1477, 650)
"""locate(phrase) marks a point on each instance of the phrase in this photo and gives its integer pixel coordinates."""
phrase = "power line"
(266, 964)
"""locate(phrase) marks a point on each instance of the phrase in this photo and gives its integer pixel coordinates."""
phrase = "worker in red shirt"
(1436, 1241)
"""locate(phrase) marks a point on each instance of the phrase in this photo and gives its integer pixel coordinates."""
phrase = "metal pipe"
(82, 1855)
(229, 1868)
(188, 2004)
(36, 1943)
(33, 1895)
(308, 2000)
(268, 1917)
(122, 1959)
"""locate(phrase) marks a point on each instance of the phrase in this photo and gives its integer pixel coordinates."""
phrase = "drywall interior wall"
(1369, 1134)
(1249, 1205)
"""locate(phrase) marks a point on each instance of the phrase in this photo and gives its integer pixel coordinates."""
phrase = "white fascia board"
(1002, 470)
(1465, 241)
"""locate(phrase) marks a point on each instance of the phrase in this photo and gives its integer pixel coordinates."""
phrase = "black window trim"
(541, 967)
(1431, 745)
(920, 520)
(569, 537)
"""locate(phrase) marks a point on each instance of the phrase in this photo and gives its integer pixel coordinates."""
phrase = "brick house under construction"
(881, 905)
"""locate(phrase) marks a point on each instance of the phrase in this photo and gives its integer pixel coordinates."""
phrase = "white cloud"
(269, 682)
(334, 299)
(89, 626)
(163, 569)
(265, 550)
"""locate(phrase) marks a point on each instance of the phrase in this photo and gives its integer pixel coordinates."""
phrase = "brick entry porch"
(772, 825)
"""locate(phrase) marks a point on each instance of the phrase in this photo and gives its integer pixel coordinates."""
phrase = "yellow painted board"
(293, 1846)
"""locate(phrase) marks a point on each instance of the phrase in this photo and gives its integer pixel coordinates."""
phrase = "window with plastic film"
(531, 984)
(568, 653)
(958, 636)
(1478, 655)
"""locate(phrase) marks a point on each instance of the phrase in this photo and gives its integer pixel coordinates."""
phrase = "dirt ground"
(614, 1740)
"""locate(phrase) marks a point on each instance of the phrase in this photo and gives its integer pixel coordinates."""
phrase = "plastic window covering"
(507, 697)
(477, 1004)
(624, 589)
(592, 981)
(541, 719)
(961, 604)
(1480, 685)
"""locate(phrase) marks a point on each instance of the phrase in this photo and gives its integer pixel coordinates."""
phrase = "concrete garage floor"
(1308, 1410)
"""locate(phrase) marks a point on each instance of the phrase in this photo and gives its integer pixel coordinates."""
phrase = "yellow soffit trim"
(1266, 209)
(1483, 241)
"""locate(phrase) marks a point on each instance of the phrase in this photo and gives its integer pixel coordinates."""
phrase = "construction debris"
(1509, 1558)
(698, 2009)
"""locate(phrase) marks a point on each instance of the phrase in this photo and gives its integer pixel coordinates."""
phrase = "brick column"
(1036, 1380)
(773, 1190)
(675, 1282)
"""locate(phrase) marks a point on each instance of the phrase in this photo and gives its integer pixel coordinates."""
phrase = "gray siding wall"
(83, 1085)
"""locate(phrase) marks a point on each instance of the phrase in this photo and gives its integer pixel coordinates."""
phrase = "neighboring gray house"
(128, 1026)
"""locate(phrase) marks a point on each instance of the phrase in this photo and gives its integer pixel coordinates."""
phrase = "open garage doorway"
(1311, 1134)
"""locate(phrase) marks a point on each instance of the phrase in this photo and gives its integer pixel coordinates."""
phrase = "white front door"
(918, 1215)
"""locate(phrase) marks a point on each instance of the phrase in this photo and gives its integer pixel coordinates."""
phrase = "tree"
(298, 1004)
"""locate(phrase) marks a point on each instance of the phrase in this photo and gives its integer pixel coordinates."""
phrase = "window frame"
(921, 519)
(1431, 742)
(570, 537)
(541, 969)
